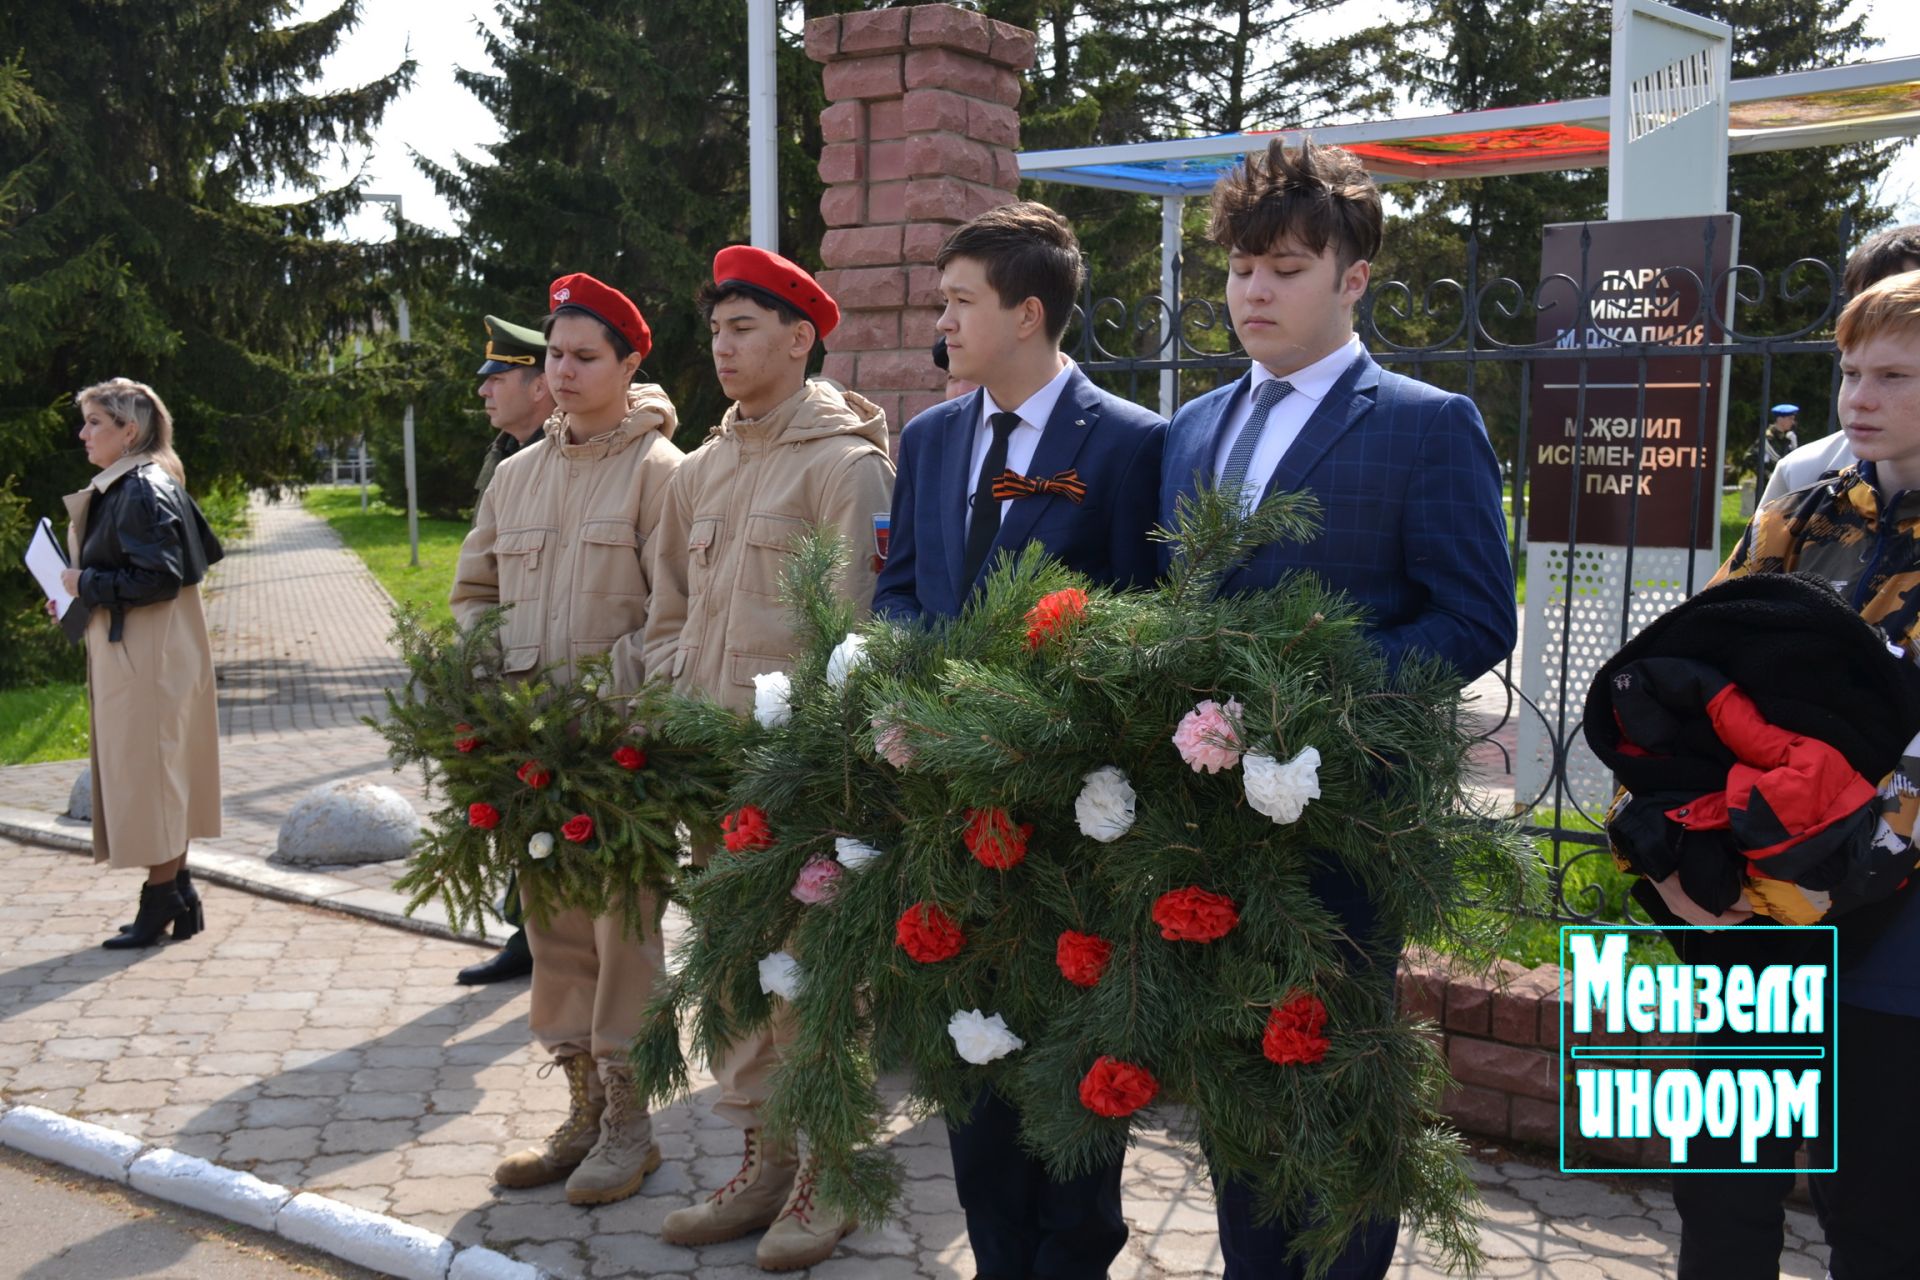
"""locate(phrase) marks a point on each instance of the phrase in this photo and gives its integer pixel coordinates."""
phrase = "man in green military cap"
(513, 382)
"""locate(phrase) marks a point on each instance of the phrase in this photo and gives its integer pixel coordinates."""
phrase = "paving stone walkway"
(300, 655)
(334, 1054)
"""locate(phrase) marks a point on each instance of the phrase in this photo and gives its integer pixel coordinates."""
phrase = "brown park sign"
(1603, 463)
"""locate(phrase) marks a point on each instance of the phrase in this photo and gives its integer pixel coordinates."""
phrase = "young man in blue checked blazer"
(1037, 454)
(1412, 526)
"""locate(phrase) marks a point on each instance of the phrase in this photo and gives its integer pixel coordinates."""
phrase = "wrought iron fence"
(1483, 337)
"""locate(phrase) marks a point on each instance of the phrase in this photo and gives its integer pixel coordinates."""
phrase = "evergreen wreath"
(539, 777)
(1063, 846)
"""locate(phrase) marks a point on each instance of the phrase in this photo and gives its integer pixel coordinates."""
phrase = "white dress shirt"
(1034, 412)
(1284, 422)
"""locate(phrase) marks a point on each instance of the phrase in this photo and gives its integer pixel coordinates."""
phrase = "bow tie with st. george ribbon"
(1011, 484)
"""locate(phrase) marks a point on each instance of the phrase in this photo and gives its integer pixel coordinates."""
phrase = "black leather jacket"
(146, 538)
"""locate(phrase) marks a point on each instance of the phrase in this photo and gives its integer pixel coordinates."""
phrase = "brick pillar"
(920, 135)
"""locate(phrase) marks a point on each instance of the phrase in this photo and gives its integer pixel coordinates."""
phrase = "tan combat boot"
(750, 1202)
(806, 1233)
(623, 1157)
(569, 1144)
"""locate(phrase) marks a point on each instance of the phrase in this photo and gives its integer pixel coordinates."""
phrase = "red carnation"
(578, 828)
(1115, 1088)
(1293, 1032)
(483, 815)
(1082, 957)
(533, 775)
(993, 839)
(466, 742)
(747, 829)
(1054, 612)
(1194, 915)
(630, 758)
(925, 933)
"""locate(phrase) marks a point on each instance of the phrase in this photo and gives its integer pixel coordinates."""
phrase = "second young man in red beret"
(790, 454)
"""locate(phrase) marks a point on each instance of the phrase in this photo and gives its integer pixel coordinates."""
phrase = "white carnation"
(980, 1039)
(772, 699)
(1281, 791)
(1104, 807)
(853, 854)
(848, 654)
(779, 974)
(540, 845)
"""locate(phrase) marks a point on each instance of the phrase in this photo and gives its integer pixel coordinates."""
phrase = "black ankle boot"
(195, 920)
(160, 905)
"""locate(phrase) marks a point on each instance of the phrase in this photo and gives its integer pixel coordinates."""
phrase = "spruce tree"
(624, 155)
(1107, 71)
(138, 144)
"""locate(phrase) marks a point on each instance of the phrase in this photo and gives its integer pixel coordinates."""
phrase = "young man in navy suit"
(1037, 454)
(1009, 279)
(1411, 527)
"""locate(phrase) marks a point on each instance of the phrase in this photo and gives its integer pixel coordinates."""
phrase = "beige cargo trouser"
(591, 982)
(744, 1070)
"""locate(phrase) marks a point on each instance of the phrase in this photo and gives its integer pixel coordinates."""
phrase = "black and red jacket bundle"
(1750, 727)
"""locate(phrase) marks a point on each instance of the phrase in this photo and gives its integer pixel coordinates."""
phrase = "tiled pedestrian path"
(300, 655)
(335, 1054)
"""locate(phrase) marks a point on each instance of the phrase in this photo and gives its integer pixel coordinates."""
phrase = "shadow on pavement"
(397, 1088)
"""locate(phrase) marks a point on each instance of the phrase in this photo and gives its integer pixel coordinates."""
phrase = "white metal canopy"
(1834, 105)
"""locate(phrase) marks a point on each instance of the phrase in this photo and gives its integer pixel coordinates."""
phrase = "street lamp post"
(406, 428)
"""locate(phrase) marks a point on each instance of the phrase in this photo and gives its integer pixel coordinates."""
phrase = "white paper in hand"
(47, 562)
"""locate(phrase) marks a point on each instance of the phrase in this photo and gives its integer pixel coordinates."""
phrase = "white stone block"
(90, 1148)
(226, 1193)
(372, 1240)
(348, 822)
(478, 1263)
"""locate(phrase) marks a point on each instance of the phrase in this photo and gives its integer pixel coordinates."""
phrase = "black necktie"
(986, 508)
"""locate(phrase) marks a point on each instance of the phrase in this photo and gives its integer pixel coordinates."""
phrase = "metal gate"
(1477, 336)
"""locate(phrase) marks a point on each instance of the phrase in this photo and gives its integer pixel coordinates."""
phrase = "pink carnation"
(1208, 736)
(890, 740)
(818, 881)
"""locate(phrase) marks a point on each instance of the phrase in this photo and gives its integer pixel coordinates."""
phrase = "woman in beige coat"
(559, 536)
(140, 547)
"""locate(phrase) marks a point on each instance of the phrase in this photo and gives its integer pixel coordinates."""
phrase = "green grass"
(379, 537)
(47, 722)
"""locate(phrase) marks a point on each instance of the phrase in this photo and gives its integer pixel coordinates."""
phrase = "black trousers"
(1253, 1250)
(1022, 1224)
(1256, 1250)
(1732, 1226)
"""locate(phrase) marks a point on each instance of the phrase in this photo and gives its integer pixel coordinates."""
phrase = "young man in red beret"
(790, 454)
(558, 536)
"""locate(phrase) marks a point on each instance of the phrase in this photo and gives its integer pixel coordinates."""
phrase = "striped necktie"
(1233, 476)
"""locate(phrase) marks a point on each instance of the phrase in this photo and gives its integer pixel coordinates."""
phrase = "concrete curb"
(198, 1184)
(104, 1153)
(477, 1263)
(253, 875)
(372, 1240)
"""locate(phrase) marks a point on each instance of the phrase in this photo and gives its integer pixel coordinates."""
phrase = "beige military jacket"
(732, 513)
(561, 536)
